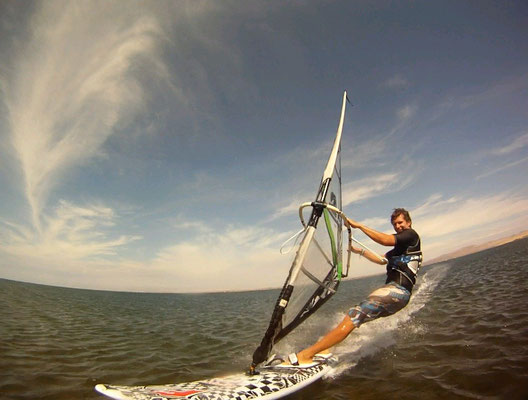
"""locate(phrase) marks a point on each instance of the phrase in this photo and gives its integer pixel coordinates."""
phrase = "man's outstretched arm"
(369, 255)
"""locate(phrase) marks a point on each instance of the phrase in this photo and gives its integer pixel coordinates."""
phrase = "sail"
(317, 267)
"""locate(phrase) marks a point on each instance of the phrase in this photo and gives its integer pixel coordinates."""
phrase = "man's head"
(400, 219)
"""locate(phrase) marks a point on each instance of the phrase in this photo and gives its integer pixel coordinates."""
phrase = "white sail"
(317, 267)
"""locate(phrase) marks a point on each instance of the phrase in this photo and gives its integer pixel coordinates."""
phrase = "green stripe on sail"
(335, 257)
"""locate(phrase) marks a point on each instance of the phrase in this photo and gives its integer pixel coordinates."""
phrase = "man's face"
(400, 224)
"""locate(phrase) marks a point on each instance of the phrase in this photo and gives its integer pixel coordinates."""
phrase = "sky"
(166, 145)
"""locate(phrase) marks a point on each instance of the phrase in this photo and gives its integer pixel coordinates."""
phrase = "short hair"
(401, 211)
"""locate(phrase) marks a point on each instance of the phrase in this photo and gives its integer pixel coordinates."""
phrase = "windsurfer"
(402, 262)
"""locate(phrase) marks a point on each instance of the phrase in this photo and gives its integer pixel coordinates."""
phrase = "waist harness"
(407, 266)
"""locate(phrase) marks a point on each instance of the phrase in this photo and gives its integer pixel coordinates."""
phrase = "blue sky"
(165, 146)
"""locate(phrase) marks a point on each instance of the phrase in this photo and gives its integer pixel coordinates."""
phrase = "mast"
(327, 286)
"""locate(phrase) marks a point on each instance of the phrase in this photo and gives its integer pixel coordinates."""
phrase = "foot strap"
(293, 359)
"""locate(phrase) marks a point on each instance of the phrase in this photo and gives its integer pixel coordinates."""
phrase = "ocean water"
(464, 335)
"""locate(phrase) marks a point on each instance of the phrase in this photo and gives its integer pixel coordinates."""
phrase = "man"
(403, 262)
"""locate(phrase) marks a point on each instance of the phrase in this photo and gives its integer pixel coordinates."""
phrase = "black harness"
(407, 266)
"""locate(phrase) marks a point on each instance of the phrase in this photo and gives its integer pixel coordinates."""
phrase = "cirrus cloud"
(73, 87)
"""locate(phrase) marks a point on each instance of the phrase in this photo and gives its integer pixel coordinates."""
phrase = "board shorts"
(382, 302)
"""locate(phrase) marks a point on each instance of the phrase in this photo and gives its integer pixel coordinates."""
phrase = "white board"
(271, 383)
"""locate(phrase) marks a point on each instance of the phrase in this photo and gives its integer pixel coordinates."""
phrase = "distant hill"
(475, 248)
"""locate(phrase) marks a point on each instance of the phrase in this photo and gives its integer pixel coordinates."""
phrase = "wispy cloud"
(73, 86)
(291, 208)
(445, 224)
(366, 188)
(72, 232)
(451, 223)
(396, 82)
(517, 144)
(368, 154)
(396, 179)
(406, 112)
(377, 222)
(224, 260)
(79, 249)
(503, 168)
(502, 89)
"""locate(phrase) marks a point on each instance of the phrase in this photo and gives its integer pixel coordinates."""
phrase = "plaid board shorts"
(382, 302)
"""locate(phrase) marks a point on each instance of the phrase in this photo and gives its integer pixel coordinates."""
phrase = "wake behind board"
(272, 382)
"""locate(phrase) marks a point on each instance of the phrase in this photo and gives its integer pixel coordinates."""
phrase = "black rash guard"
(404, 259)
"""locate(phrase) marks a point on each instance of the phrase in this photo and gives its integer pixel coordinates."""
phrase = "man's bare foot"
(304, 358)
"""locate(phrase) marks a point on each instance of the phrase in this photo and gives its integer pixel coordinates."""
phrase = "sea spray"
(377, 335)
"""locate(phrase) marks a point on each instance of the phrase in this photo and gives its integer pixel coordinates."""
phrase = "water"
(464, 335)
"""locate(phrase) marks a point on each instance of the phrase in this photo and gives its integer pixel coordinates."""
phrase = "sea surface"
(464, 335)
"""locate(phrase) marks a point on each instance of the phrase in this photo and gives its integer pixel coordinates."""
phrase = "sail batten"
(315, 272)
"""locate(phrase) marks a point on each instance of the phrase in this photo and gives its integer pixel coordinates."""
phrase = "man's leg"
(335, 336)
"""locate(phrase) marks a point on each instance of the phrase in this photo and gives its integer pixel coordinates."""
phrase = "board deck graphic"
(271, 383)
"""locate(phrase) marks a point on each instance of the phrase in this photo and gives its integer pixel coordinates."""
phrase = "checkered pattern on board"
(235, 387)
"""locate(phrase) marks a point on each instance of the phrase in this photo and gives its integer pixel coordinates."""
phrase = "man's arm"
(379, 237)
(375, 258)
(369, 255)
